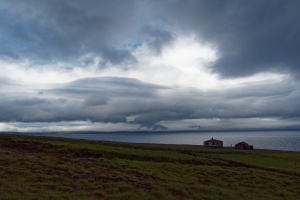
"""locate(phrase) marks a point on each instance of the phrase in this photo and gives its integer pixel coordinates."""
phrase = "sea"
(273, 140)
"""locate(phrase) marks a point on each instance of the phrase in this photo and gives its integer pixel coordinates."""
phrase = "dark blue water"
(275, 140)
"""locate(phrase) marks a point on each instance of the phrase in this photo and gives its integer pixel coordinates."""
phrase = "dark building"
(243, 145)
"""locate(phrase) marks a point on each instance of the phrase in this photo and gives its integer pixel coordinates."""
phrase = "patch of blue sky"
(136, 44)
(29, 126)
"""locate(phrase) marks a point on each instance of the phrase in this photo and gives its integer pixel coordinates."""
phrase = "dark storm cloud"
(93, 99)
(113, 100)
(252, 36)
(63, 30)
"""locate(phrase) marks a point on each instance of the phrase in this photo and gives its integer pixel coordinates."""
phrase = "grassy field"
(34, 167)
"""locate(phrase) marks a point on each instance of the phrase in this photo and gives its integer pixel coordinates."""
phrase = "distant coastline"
(160, 131)
(274, 140)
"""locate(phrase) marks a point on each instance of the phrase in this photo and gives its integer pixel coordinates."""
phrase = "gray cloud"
(95, 101)
(63, 30)
(112, 100)
(158, 38)
(252, 36)
(108, 87)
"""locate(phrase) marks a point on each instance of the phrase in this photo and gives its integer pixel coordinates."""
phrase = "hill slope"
(59, 168)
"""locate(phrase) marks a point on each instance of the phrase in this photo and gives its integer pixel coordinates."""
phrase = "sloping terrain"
(58, 168)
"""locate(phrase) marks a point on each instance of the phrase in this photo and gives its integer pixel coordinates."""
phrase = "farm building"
(243, 145)
(213, 143)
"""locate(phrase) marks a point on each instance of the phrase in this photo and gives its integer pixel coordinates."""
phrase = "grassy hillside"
(59, 168)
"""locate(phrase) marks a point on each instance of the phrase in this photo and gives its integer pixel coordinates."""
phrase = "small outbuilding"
(213, 143)
(243, 145)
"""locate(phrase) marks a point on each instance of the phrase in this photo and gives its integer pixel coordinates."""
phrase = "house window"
(213, 143)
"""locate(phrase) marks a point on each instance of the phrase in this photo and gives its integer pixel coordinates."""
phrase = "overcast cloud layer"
(149, 65)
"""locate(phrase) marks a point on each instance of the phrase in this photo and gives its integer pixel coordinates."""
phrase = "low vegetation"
(34, 167)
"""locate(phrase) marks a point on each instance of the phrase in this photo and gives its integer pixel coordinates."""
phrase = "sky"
(149, 65)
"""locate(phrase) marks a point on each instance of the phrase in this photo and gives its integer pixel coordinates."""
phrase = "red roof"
(243, 143)
(213, 140)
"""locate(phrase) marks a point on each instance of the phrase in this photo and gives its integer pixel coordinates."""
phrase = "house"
(243, 145)
(213, 143)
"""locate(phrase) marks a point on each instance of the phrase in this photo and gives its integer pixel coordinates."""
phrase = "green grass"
(58, 168)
